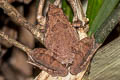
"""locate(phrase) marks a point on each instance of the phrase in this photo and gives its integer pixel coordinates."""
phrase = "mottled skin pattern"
(63, 48)
(60, 36)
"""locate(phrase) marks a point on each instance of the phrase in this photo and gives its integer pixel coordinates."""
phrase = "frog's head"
(54, 10)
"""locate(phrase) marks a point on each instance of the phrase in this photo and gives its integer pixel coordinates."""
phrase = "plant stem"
(14, 42)
(17, 17)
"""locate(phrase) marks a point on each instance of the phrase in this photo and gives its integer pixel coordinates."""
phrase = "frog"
(64, 52)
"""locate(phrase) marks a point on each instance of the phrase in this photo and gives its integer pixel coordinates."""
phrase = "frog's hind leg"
(43, 59)
(83, 53)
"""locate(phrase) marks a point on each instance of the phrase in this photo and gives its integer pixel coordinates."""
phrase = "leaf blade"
(102, 14)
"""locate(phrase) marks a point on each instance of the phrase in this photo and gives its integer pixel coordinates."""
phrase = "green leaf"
(67, 10)
(93, 8)
(52, 1)
(109, 24)
(98, 11)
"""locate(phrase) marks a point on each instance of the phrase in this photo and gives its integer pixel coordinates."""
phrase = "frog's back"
(60, 35)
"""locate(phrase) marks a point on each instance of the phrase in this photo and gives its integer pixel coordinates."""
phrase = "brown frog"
(64, 51)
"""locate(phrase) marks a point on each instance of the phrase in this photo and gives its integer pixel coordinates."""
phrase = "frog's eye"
(58, 20)
(77, 24)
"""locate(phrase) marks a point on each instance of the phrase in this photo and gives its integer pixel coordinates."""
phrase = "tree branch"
(17, 17)
(57, 2)
(14, 42)
(78, 11)
(40, 18)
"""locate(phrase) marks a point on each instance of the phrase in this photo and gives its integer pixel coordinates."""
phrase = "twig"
(78, 11)
(40, 18)
(79, 15)
(14, 42)
(17, 17)
(57, 2)
(46, 7)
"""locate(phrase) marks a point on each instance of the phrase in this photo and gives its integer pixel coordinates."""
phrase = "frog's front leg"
(83, 54)
(43, 59)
